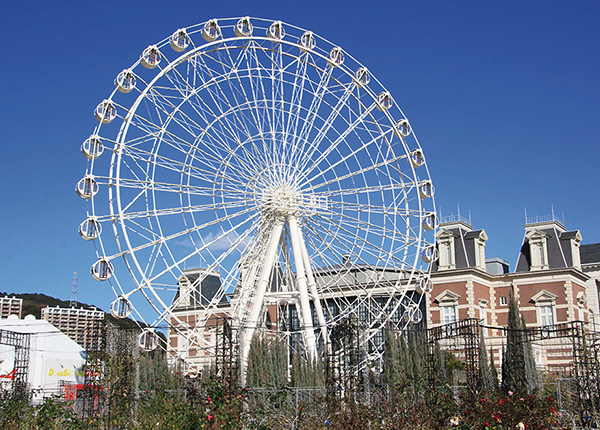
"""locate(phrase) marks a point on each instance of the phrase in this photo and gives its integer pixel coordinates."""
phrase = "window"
(544, 302)
(503, 301)
(538, 249)
(546, 316)
(483, 311)
(449, 314)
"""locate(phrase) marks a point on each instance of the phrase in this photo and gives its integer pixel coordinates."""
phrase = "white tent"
(54, 358)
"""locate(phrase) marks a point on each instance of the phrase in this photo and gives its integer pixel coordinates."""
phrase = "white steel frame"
(245, 152)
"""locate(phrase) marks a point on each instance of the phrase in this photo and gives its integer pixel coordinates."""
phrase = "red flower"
(500, 401)
(210, 417)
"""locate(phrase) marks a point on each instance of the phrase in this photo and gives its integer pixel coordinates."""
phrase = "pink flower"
(510, 393)
(210, 417)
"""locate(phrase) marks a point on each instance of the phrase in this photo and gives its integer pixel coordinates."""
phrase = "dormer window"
(445, 242)
(479, 243)
(538, 250)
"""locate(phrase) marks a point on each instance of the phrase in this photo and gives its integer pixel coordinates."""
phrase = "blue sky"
(504, 98)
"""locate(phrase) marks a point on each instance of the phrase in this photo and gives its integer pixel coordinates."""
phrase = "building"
(550, 282)
(192, 341)
(53, 360)
(10, 306)
(590, 264)
(84, 326)
(358, 289)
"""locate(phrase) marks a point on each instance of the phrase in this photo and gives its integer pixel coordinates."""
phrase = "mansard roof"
(590, 253)
(558, 245)
(463, 237)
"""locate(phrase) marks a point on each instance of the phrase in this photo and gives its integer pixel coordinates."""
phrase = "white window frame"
(544, 300)
(538, 250)
(483, 312)
(447, 309)
(448, 300)
(446, 251)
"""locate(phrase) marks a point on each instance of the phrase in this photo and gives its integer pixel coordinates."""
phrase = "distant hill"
(33, 303)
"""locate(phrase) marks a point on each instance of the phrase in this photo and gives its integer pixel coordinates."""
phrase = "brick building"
(550, 282)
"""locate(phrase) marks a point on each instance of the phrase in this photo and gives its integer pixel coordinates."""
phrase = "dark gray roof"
(590, 253)
(209, 288)
(558, 248)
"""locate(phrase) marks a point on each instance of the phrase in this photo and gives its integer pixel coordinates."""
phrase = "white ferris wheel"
(271, 173)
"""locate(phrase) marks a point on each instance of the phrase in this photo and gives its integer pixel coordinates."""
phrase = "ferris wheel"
(252, 169)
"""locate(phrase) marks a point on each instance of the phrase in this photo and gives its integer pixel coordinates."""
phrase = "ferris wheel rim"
(129, 250)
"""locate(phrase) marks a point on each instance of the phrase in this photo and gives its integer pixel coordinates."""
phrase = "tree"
(267, 362)
(487, 378)
(514, 377)
(531, 373)
(493, 370)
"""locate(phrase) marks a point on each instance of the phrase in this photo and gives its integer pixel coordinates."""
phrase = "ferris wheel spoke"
(358, 121)
(198, 249)
(238, 241)
(175, 188)
(253, 104)
(395, 210)
(185, 121)
(406, 188)
(205, 175)
(172, 211)
(328, 124)
(351, 237)
(351, 174)
(379, 229)
(220, 97)
(315, 105)
(239, 90)
(259, 92)
(295, 109)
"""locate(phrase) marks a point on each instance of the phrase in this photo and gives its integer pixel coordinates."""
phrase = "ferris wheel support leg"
(256, 303)
(312, 285)
(311, 344)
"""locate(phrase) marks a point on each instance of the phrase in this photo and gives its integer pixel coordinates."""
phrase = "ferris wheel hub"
(280, 200)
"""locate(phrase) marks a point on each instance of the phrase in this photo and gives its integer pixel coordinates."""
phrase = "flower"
(454, 421)
(210, 417)
(521, 426)
(522, 399)
(500, 401)
(510, 393)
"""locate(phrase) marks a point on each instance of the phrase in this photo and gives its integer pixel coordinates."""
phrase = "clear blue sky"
(504, 97)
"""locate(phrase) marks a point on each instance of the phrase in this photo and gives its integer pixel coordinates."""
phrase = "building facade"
(84, 326)
(10, 306)
(550, 284)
